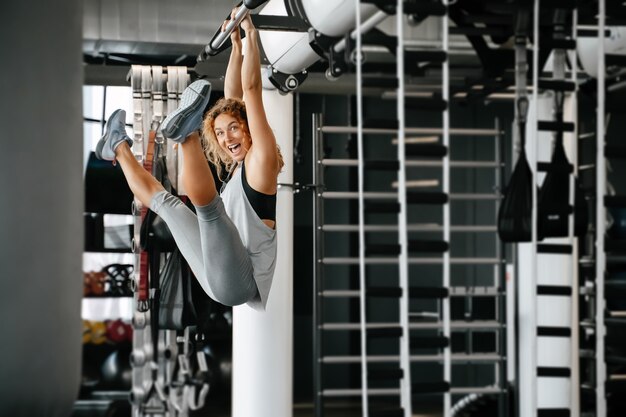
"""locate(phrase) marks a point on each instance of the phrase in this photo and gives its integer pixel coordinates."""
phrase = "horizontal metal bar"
(476, 390)
(348, 392)
(412, 261)
(417, 184)
(357, 359)
(357, 392)
(473, 196)
(418, 163)
(433, 227)
(388, 195)
(412, 131)
(462, 358)
(416, 140)
(458, 325)
(482, 291)
(454, 292)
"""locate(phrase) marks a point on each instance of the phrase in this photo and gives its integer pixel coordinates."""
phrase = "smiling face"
(232, 136)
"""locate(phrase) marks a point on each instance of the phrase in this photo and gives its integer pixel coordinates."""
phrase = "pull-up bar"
(219, 38)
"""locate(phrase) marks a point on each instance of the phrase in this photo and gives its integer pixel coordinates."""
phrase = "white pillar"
(550, 311)
(262, 341)
(41, 209)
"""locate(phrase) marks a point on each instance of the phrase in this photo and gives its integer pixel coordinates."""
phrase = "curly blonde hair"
(214, 153)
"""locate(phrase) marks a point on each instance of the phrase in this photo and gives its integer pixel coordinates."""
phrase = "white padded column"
(262, 341)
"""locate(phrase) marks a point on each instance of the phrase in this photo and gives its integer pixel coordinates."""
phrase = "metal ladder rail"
(405, 364)
(575, 404)
(532, 158)
(361, 213)
(502, 348)
(601, 180)
(447, 351)
(318, 269)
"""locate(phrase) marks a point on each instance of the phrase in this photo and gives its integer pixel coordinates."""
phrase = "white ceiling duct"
(290, 53)
(614, 44)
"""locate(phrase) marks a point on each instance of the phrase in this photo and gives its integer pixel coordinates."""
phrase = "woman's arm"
(262, 161)
(232, 80)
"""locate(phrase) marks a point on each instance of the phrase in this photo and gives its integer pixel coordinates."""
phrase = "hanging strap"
(155, 402)
(144, 268)
(146, 103)
(147, 149)
(559, 59)
(183, 81)
(158, 107)
(521, 71)
(172, 103)
(135, 82)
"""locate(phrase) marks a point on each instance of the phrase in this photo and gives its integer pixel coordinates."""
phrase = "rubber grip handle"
(253, 4)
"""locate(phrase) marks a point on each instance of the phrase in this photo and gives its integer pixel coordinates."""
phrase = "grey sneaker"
(114, 134)
(187, 118)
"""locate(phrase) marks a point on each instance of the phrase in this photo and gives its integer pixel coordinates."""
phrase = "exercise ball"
(116, 370)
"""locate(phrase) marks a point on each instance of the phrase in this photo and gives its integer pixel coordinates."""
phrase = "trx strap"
(137, 83)
(191, 387)
(144, 269)
(554, 206)
(515, 213)
(183, 82)
(153, 257)
(148, 154)
(158, 106)
(172, 103)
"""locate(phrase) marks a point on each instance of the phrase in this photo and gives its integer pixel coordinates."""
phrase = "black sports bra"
(264, 205)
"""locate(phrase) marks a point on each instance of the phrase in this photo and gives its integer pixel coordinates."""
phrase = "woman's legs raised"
(197, 178)
(143, 185)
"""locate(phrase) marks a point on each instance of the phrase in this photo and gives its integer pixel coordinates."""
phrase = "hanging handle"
(522, 112)
(220, 37)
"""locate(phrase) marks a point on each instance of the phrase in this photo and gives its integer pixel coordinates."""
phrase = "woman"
(230, 244)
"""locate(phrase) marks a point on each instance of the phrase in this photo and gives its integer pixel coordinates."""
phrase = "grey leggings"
(211, 244)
